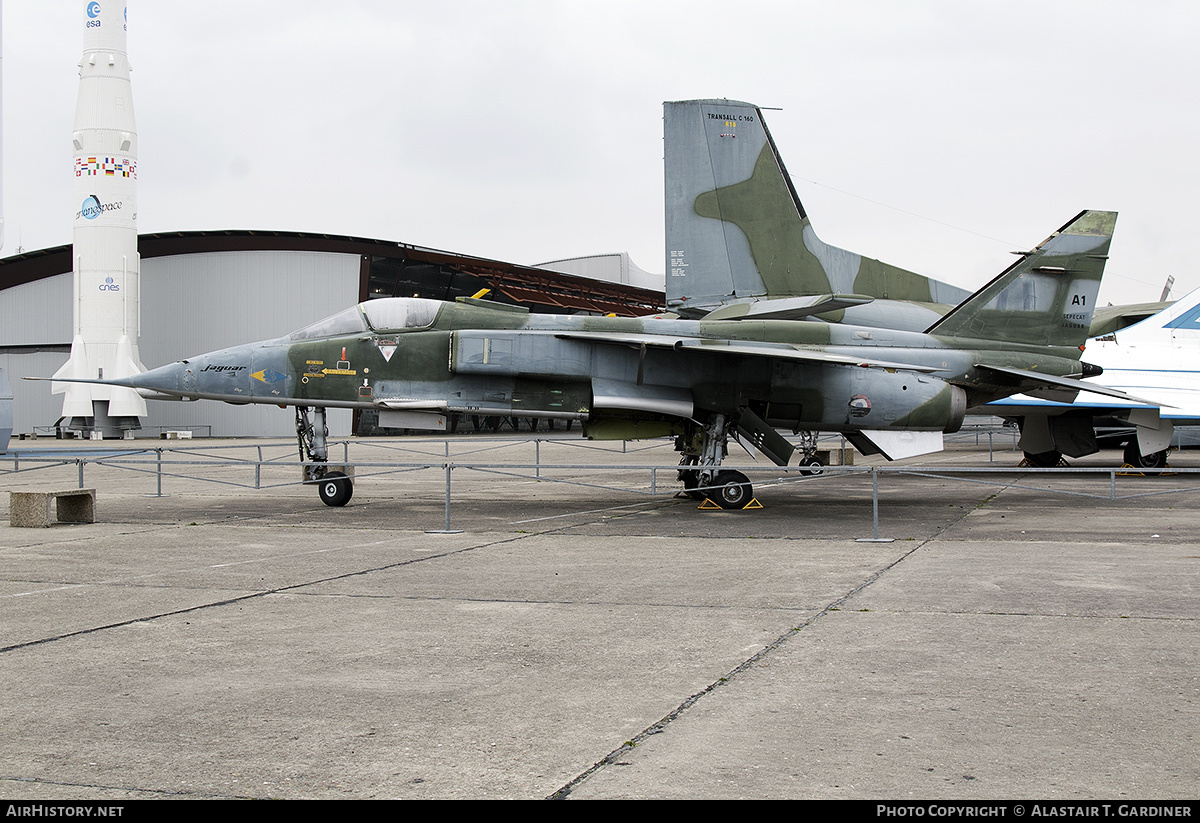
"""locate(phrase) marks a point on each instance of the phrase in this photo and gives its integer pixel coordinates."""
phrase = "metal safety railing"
(274, 465)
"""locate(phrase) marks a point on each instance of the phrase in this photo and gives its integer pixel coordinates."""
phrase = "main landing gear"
(334, 487)
(1135, 458)
(1044, 460)
(700, 467)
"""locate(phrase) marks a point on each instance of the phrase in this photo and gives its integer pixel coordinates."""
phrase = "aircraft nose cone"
(166, 379)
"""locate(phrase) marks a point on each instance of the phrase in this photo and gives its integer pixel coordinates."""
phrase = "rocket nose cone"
(104, 25)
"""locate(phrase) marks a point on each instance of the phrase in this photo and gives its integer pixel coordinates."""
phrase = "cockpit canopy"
(399, 313)
(386, 314)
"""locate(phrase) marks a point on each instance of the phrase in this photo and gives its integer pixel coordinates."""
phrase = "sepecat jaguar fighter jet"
(888, 392)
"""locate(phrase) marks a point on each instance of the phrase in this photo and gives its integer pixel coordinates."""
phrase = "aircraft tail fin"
(1047, 297)
(736, 229)
(1167, 286)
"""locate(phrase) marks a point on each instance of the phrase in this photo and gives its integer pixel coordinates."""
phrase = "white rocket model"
(106, 287)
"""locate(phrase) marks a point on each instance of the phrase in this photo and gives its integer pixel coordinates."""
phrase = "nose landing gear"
(334, 487)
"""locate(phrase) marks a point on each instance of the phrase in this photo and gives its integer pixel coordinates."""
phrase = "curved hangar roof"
(387, 269)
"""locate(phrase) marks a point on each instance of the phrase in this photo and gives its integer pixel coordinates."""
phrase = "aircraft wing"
(788, 308)
(741, 347)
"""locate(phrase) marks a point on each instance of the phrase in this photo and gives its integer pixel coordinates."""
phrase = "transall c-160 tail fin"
(736, 230)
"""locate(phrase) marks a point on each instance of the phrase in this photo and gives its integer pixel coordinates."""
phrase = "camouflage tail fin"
(736, 228)
(1047, 297)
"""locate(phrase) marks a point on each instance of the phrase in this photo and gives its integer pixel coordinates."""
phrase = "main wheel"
(731, 490)
(1135, 458)
(335, 489)
(811, 466)
(1043, 460)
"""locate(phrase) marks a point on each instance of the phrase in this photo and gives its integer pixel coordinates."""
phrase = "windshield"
(395, 313)
(349, 321)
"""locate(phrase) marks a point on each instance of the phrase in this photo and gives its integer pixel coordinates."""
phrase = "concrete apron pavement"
(598, 643)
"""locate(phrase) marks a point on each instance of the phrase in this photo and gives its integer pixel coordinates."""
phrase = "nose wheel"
(335, 489)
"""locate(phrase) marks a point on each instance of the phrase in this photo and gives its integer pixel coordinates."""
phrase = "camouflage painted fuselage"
(472, 357)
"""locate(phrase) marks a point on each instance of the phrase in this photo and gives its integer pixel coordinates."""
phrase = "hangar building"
(206, 290)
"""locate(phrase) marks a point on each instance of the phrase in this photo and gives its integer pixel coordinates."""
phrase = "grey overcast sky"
(938, 135)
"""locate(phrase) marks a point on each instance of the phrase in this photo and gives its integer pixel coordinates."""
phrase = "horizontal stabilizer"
(1032, 381)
